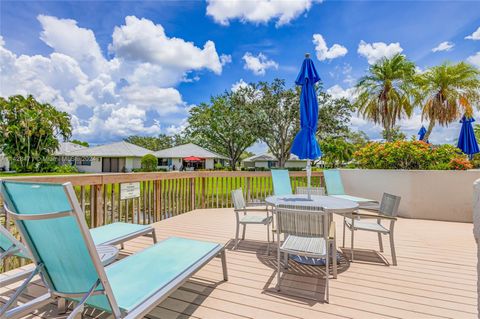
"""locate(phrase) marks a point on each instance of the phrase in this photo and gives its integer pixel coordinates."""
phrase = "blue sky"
(119, 76)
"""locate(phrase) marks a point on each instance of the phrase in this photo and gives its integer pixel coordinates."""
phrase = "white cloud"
(474, 36)
(378, 50)
(142, 40)
(238, 85)
(225, 59)
(260, 11)
(444, 46)
(109, 99)
(258, 64)
(474, 59)
(323, 52)
(337, 92)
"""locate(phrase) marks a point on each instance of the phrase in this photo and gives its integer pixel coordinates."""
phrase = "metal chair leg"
(285, 260)
(344, 226)
(243, 234)
(392, 246)
(334, 259)
(380, 243)
(351, 241)
(236, 236)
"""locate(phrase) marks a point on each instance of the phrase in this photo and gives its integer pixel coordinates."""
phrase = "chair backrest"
(389, 204)
(333, 182)
(237, 199)
(281, 182)
(301, 221)
(319, 191)
(53, 228)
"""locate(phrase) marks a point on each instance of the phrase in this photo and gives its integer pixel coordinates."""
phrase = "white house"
(267, 161)
(115, 157)
(188, 157)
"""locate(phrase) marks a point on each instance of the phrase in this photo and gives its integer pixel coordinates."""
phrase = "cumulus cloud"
(238, 85)
(225, 59)
(337, 92)
(474, 59)
(142, 40)
(474, 36)
(258, 64)
(326, 53)
(260, 11)
(444, 46)
(109, 98)
(378, 50)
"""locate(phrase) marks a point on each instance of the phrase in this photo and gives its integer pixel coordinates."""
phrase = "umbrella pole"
(309, 175)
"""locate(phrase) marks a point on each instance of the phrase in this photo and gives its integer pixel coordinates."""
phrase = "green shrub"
(67, 168)
(218, 166)
(149, 163)
(410, 155)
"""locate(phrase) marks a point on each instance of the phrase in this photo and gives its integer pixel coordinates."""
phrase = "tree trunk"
(233, 165)
(429, 130)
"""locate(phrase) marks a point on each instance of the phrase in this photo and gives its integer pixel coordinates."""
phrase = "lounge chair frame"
(76, 212)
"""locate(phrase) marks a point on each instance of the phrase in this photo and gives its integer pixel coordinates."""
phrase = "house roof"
(119, 149)
(66, 147)
(268, 157)
(187, 150)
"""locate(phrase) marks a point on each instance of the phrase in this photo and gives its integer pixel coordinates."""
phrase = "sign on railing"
(129, 190)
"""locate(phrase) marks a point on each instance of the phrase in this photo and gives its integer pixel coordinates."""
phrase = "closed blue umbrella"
(421, 133)
(305, 144)
(467, 141)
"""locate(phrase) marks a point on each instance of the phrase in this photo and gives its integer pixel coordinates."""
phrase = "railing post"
(158, 200)
(204, 183)
(98, 206)
(247, 189)
(192, 193)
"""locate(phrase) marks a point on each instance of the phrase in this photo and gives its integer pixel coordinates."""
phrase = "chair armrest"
(251, 209)
(372, 216)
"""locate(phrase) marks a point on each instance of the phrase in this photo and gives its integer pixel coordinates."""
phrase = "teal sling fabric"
(333, 182)
(281, 182)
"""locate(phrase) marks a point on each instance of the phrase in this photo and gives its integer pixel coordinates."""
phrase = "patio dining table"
(328, 204)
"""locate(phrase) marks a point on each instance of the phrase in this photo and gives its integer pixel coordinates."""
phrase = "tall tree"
(448, 92)
(388, 92)
(333, 115)
(156, 143)
(30, 131)
(276, 111)
(394, 134)
(224, 125)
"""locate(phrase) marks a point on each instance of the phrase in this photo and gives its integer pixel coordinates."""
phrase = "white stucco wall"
(4, 162)
(209, 163)
(436, 195)
(296, 164)
(96, 166)
(261, 164)
(476, 233)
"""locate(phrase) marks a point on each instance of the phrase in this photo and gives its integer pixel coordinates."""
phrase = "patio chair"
(387, 211)
(318, 191)
(334, 184)
(64, 253)
(306, 234)
(281, 182)
(245, 219)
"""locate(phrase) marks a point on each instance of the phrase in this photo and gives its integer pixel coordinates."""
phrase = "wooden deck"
(435, 276)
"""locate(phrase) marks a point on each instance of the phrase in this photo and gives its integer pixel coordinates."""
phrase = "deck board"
(435, 277)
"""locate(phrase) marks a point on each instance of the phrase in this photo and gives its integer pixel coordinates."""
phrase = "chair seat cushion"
(255, 219)
(365, 225)
(139, 276)
(116, 233)
(309, 245)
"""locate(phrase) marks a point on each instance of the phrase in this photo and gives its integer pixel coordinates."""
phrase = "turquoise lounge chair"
(333, 182)
(53, 228)
(112, 234)
(281, 182)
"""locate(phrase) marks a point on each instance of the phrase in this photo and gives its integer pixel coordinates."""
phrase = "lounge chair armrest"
(251, 209)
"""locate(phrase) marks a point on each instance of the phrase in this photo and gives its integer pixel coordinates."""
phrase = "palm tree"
(448, 92)
(387, 93)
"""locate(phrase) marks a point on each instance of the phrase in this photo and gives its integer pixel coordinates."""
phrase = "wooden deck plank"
(435, 276)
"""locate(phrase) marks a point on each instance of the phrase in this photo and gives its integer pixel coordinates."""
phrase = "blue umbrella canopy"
(467, 141)
(421, 133)
(305, 145)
